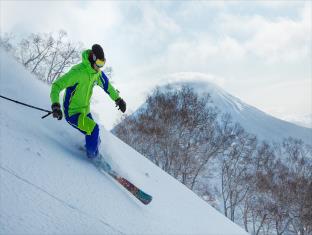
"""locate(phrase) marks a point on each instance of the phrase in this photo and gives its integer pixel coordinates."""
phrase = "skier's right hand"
(121, 104)
(56, 111)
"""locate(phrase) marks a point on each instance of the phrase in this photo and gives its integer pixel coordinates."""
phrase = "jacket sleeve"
(67, 80)
(107, 86)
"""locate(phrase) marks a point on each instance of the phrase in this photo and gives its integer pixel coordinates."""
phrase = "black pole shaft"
(28, 105)
(46, 115)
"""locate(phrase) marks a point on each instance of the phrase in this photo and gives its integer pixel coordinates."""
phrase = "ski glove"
(121, 104)
(56, 110)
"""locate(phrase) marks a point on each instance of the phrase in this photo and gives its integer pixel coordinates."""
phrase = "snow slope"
(264, 126)
(47, 186)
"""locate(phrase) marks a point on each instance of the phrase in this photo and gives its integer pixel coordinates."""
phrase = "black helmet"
(96, 53)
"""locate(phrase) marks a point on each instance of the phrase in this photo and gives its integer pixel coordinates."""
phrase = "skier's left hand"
(121, 104)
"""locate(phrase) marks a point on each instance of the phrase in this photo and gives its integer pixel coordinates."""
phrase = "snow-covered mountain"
(254, 121)
(47, 186)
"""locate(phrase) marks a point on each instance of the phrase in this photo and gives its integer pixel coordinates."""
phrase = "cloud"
(192, 76)
(273, 40)
(287, 95)
(276, 4)
(95, 21)
(202, 53)
(239, 40)
(151, 26)
(82, 21)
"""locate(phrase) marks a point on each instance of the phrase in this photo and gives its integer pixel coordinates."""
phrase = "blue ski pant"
(87, 126)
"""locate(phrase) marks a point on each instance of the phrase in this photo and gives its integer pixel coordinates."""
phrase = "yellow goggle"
(100, 63)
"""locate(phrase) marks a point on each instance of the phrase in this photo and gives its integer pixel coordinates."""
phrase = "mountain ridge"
(255, 121)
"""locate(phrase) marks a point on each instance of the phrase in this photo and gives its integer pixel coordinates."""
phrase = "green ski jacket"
(79, 82)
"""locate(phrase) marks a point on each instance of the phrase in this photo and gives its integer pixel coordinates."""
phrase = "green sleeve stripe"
(113, 93)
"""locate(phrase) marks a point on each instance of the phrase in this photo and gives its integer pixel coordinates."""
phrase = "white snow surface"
(47, 186)
(253, 120)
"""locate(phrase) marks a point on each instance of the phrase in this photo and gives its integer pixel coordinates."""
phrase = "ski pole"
(46, 115)
(28, 105)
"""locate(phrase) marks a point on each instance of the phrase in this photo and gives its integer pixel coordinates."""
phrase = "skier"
(79, 83)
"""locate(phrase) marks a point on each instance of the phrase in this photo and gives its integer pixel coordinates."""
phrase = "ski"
(134, 190)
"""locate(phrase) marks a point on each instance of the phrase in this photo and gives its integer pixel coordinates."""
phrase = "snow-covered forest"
(265, 187)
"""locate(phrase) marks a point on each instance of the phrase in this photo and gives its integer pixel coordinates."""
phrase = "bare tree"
(6, 42)
(64, 55)
(47, 56)
(279, 198)
(256, 204)
(218, 137)
(297, 181)
(177, 130)
(235, 165)
(33, 50)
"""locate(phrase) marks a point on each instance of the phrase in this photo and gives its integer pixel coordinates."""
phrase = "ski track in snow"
(11, 172)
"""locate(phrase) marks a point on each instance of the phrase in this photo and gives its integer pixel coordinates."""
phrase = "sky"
(259, 51)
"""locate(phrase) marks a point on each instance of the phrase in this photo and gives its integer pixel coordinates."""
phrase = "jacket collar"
(86, 62)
